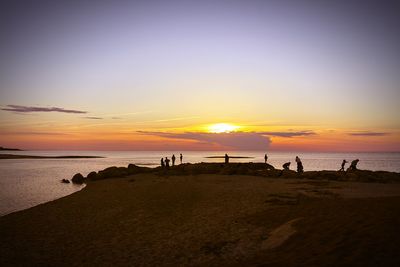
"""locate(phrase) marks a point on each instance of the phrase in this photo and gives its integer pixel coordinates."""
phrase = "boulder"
(78, 179)
(65, 181)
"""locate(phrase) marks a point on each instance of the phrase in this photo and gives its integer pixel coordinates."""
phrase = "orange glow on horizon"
(124, 137)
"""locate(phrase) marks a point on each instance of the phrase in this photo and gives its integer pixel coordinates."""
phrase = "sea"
(25, 183)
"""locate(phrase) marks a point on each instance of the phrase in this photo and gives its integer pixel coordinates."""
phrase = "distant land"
(11, 156)
(231, 157)
(10, 149)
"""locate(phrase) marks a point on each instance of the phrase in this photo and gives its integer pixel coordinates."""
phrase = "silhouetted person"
(353, 165)
(286, 166)
(181, 158)
(226, 158)
(265, 158)
(162, 162)
(300, 168)
(166, 162)
(342, 167)
(173, 159)
(299, 165)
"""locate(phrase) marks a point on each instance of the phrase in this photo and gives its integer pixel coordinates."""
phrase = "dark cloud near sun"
(368, 134)
(232, 140)
(288, 134)
(28, 109)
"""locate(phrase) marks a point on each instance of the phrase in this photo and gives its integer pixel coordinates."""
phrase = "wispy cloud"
(33, 133)
(232, 141)
(288, 134)
(28, 109)
(368, 133)
(93, 118)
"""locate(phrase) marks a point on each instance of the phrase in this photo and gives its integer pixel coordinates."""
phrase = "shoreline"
(208, 219)
(83, 186)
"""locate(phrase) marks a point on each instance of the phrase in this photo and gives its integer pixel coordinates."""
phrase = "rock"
(113, 172)
(134, 169)
(78, 179)
(92, 176)
(65, 181)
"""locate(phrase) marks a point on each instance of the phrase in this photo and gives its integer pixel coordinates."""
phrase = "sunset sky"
(200, 75)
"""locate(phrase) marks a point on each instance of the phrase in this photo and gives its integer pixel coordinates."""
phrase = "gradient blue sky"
(175, 65)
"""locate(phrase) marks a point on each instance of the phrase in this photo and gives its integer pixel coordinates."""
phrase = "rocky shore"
(254, 169)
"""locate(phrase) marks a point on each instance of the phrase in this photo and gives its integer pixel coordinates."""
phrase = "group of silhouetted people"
(300, 167)
(165, 162)
(353, 165)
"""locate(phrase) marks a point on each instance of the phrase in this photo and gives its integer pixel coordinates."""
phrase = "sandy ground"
(209, 220)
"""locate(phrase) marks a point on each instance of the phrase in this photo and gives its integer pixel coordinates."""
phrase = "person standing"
(226, 158)
(299, 165)
(167, 162)
(173, 159)
(181, 158)
(265, 158)
(162, 162)
(343, 163)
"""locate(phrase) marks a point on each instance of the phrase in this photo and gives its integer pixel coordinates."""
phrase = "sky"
(200, 75)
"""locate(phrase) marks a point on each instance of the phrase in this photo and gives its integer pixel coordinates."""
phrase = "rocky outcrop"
(256, 169)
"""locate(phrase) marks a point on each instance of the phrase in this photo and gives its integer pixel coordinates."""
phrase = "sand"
(209, 220)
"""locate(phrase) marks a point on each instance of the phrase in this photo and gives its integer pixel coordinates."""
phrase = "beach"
(149, 219)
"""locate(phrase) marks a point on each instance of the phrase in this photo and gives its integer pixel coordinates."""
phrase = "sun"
(222, 128)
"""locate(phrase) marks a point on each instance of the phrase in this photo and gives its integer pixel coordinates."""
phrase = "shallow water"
(28, 182)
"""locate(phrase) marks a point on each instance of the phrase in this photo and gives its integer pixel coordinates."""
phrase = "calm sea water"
(28, 182)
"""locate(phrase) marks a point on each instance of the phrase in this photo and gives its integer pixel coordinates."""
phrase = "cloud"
(288, 134)
(231, 141)
(27, 109)
(93, 118)
(367, 133)
(33, 133)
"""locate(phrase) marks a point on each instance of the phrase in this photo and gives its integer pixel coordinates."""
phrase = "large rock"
(113, 172)
(78, 179)
(92, 176)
